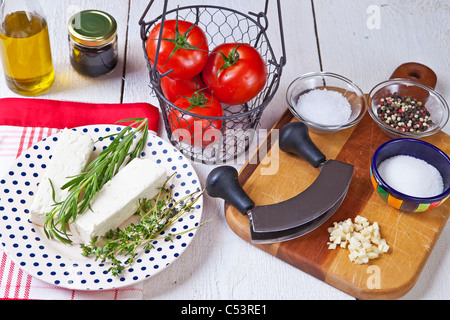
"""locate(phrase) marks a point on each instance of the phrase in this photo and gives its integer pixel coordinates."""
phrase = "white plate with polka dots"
(63, 265)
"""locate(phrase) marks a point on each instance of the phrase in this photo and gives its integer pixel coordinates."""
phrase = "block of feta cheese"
(70, 157)
(119, 198)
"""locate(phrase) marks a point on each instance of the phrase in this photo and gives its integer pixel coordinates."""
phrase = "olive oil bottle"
(25, 48)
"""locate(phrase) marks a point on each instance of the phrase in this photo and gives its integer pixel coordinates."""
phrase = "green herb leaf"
(121, 246)
(102, 169)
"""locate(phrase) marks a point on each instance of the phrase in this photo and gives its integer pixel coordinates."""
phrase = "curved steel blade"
(289, 234)
(320, 197)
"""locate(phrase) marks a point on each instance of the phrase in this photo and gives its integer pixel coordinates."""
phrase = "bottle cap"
(92, 28)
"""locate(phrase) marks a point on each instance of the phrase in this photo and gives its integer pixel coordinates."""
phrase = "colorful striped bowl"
(418, 149)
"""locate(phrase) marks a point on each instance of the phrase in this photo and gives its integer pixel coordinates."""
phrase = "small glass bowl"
(328, 81)
(418, 149)
(432, 100)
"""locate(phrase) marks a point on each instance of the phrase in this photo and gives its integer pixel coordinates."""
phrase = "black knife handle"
(294, 138)
(222, 182)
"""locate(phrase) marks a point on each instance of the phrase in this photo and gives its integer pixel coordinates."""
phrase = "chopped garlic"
(362, 239)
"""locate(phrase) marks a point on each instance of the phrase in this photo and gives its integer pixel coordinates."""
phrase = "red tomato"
(192, 130)
(235, 73)
(184, 49)
(173, 88)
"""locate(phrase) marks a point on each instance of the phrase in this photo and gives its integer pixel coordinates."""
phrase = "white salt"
(325, 107)
(411, 176)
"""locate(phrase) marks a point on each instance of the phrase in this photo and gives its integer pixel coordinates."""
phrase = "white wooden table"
(364, 40)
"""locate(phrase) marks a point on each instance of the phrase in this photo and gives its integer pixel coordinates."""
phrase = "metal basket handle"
(265, 25)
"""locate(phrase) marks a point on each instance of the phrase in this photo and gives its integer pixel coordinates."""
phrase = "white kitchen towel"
(16, 283)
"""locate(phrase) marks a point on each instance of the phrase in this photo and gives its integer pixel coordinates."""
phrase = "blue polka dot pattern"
(63, 265)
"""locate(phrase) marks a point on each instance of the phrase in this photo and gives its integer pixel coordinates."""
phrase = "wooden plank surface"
(411, 236)
(69, 85)
(225, 267)
(408, 31)
(366, 40)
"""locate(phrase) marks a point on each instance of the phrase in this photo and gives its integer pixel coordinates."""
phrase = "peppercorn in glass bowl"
(405, 108)
(326, 102)
(410, 174)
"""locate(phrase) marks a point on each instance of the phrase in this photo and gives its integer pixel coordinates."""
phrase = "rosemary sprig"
(84, 186)
(154, 216)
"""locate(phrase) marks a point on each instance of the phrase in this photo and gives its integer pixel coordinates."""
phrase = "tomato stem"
(233, 57)
(198, 99)
(180, 40)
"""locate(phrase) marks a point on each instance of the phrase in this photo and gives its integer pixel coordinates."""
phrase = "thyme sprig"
(153, 217)
(102, 169)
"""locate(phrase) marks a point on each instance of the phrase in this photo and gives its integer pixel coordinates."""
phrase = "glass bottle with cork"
(25, 47)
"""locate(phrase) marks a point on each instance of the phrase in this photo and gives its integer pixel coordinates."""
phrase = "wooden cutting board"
(411, 236)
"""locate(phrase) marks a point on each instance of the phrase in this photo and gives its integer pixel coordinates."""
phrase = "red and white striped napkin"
(18, 132)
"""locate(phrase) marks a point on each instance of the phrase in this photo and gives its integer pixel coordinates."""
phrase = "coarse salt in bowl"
(427, 159)
(326, 102)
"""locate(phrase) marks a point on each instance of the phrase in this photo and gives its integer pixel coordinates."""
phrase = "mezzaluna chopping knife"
(299, 215)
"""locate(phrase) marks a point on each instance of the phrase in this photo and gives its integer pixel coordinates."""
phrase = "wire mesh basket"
(239, 122)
